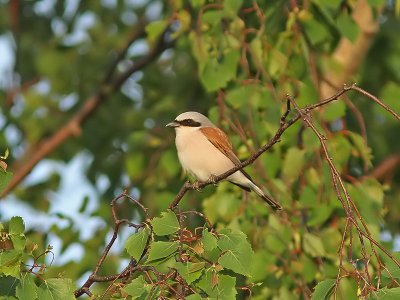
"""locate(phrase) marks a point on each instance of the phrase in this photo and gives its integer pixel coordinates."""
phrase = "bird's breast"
(198, 156)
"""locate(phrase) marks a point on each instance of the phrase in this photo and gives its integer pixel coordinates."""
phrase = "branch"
(94, 277)
(73, 126)
(276, 138)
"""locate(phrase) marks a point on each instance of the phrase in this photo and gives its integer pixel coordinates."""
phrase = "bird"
(205, 152)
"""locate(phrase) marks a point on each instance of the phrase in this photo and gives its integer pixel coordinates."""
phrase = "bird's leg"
(212, 179)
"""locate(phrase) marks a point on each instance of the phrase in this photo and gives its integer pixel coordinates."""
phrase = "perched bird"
(205, 152)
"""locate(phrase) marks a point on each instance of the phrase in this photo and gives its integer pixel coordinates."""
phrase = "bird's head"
(190, 119)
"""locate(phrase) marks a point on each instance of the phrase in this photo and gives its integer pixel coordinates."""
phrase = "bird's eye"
(190, 123)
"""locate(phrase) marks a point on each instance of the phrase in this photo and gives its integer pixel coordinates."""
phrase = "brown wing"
(220, 140)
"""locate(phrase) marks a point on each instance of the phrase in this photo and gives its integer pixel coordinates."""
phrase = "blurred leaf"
(231, 7)
(316, 32)
(348, 27)
(293, 163)
(217, 73)
(137, 242)
(323, 289)
(376, 2)
(5, 178)
(166, 224)
(333, 111)
(363, 150)
(16, 225)
(155, 29)
(313, 245)
(135, 165)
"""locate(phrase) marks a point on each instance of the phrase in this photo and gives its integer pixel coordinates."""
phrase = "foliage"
(100, 79)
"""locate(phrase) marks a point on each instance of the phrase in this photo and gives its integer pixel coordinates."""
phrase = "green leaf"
(385, 294)
(238, 253)
(10, 263)
(190, 271)
(232, 7)
(390, 94)
(392, 267)
(155, 29)
(56, 288)
(221, 287)
(166, 224)
(136, 243)
(209, 240)
(277, 62)
(377, 2)
(160, 250)
(316, 32)
(293, 163)
(136, 287)
(313, 245)
(348, 27)
(197, 3)
(18, 241)
(26, 289)
(323, 289)
(5, 178)
(334, 110)
(16, 225)
(363, 150)
(193, 297)
(215, 74)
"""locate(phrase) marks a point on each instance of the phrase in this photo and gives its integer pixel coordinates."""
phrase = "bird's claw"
(212, 179)
(196, 186)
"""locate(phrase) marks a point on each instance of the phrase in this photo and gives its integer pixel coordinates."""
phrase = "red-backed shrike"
(205, 152)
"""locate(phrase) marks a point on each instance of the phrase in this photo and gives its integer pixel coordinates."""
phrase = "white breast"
(198, 156)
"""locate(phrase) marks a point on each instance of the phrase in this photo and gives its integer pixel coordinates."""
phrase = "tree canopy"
(94, 202)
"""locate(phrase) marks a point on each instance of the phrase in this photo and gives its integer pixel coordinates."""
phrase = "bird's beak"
(173, 124)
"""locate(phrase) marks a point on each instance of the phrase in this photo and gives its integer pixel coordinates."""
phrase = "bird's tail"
(275, 205)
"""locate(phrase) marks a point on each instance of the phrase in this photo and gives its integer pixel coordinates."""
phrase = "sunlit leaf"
(209, 240)
(166, 224)
(56, 288)
(190, 271)
(135, 288)
(323, 289)
(160, 250)
(26, 289)
(237, 253)
(313, 245)
(137, 242)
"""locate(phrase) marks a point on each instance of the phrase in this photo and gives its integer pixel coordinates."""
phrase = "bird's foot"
(196, 186)
(212, 179)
